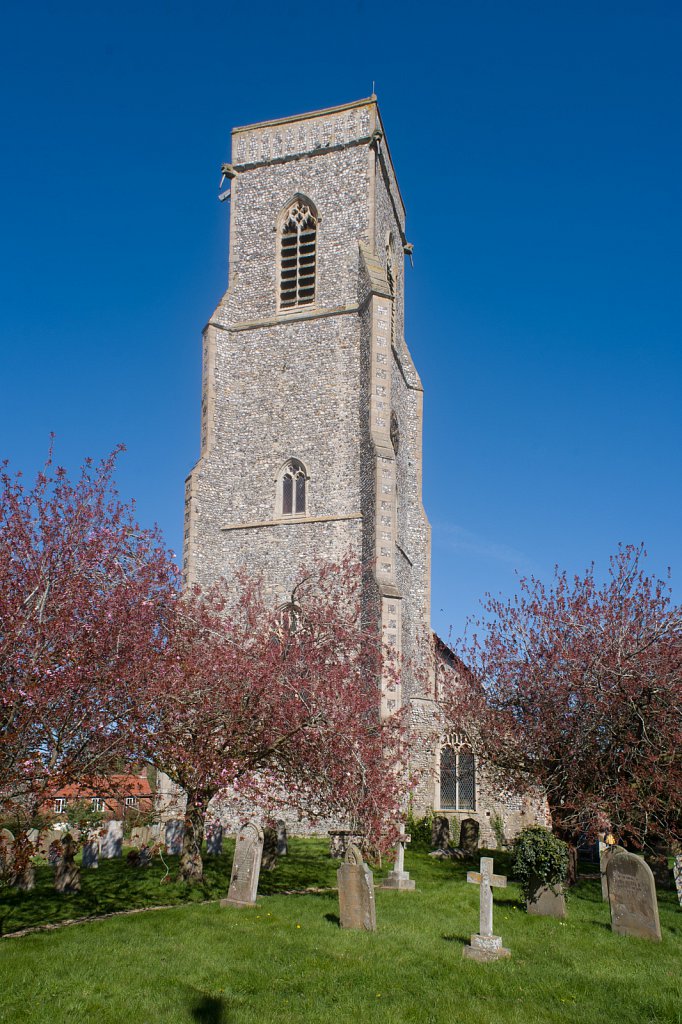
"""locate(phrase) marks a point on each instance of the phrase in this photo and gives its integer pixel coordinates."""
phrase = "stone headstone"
(282, 842)
(248, 853)
(144, 857)
(45, 841)
(339, 841)
(606, 852)
(440, 833)
(90, 857)
(214, 838)
(54, 852)
(6, 850)
(468, 836)
(357, 908)
(548, 901)
(141, 836)
(484, 945)
(398, 878)
(632, 897)
(67, 877)
(677, 875)
(175, 833)
(269, 862)
(111, 842)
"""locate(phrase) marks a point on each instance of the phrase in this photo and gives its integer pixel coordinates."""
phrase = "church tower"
(311, 414)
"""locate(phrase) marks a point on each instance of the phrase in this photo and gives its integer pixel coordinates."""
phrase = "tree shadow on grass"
(209, 1010)
(333, 919)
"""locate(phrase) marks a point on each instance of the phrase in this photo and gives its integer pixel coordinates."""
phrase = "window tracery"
(457, 775)
(298, 255)
(293, 489)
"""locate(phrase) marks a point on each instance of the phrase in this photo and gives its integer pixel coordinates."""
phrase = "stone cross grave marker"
(111, 844)
(485, 946)
(398, 878)
(632, 897)
(248, 853)
(357, 908)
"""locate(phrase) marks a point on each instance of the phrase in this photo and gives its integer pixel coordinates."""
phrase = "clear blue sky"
(539, 151)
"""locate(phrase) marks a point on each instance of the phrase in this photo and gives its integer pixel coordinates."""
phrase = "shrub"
(538, 858)
(419, 828)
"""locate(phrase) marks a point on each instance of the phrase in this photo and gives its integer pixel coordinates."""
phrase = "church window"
(293, 485)
(457, 779)
(298, 255)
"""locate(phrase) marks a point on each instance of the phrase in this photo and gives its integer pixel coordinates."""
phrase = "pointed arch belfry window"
(293, 488)
(297, 254)
(457, 775)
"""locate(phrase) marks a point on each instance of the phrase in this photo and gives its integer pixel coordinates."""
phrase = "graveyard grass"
(288, 961)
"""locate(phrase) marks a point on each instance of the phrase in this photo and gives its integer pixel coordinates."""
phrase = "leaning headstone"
(111, 843)
(440, 833)
(547, 901)
(398, 878)
(677, 874)
(175, 833)
(269, 862)
(90, 858)
(484, 945)
(632, 897)
(67, 877)
(356, 893)
(248, 853)
(214, 838)
(282, 842)
(468, 836)
(6, 850)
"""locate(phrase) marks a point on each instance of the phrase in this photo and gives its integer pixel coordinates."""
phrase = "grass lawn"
(288, 961)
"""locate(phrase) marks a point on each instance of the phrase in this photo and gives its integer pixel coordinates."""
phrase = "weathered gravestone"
(547, 901)
(54, 852)
(90, 858)
(468, 836)
(248, 853)
(398, 878)
(214, 838)
(175, 833)
(282, 843)
(6, 851)
(111, 842)
(677, 874)
(606, 852)
(45, 841)
(339, 841)
(67, 877)
(357, 909)
(484, 945)
(140, 836)
(269, 862)
(632, 897)
(440, 833)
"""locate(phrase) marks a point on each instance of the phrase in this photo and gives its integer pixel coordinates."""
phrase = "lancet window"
(298, 255)
(293, 489)
(457, 777)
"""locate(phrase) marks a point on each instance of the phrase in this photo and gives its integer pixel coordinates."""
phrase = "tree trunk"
(191, 864)
(572, 873)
